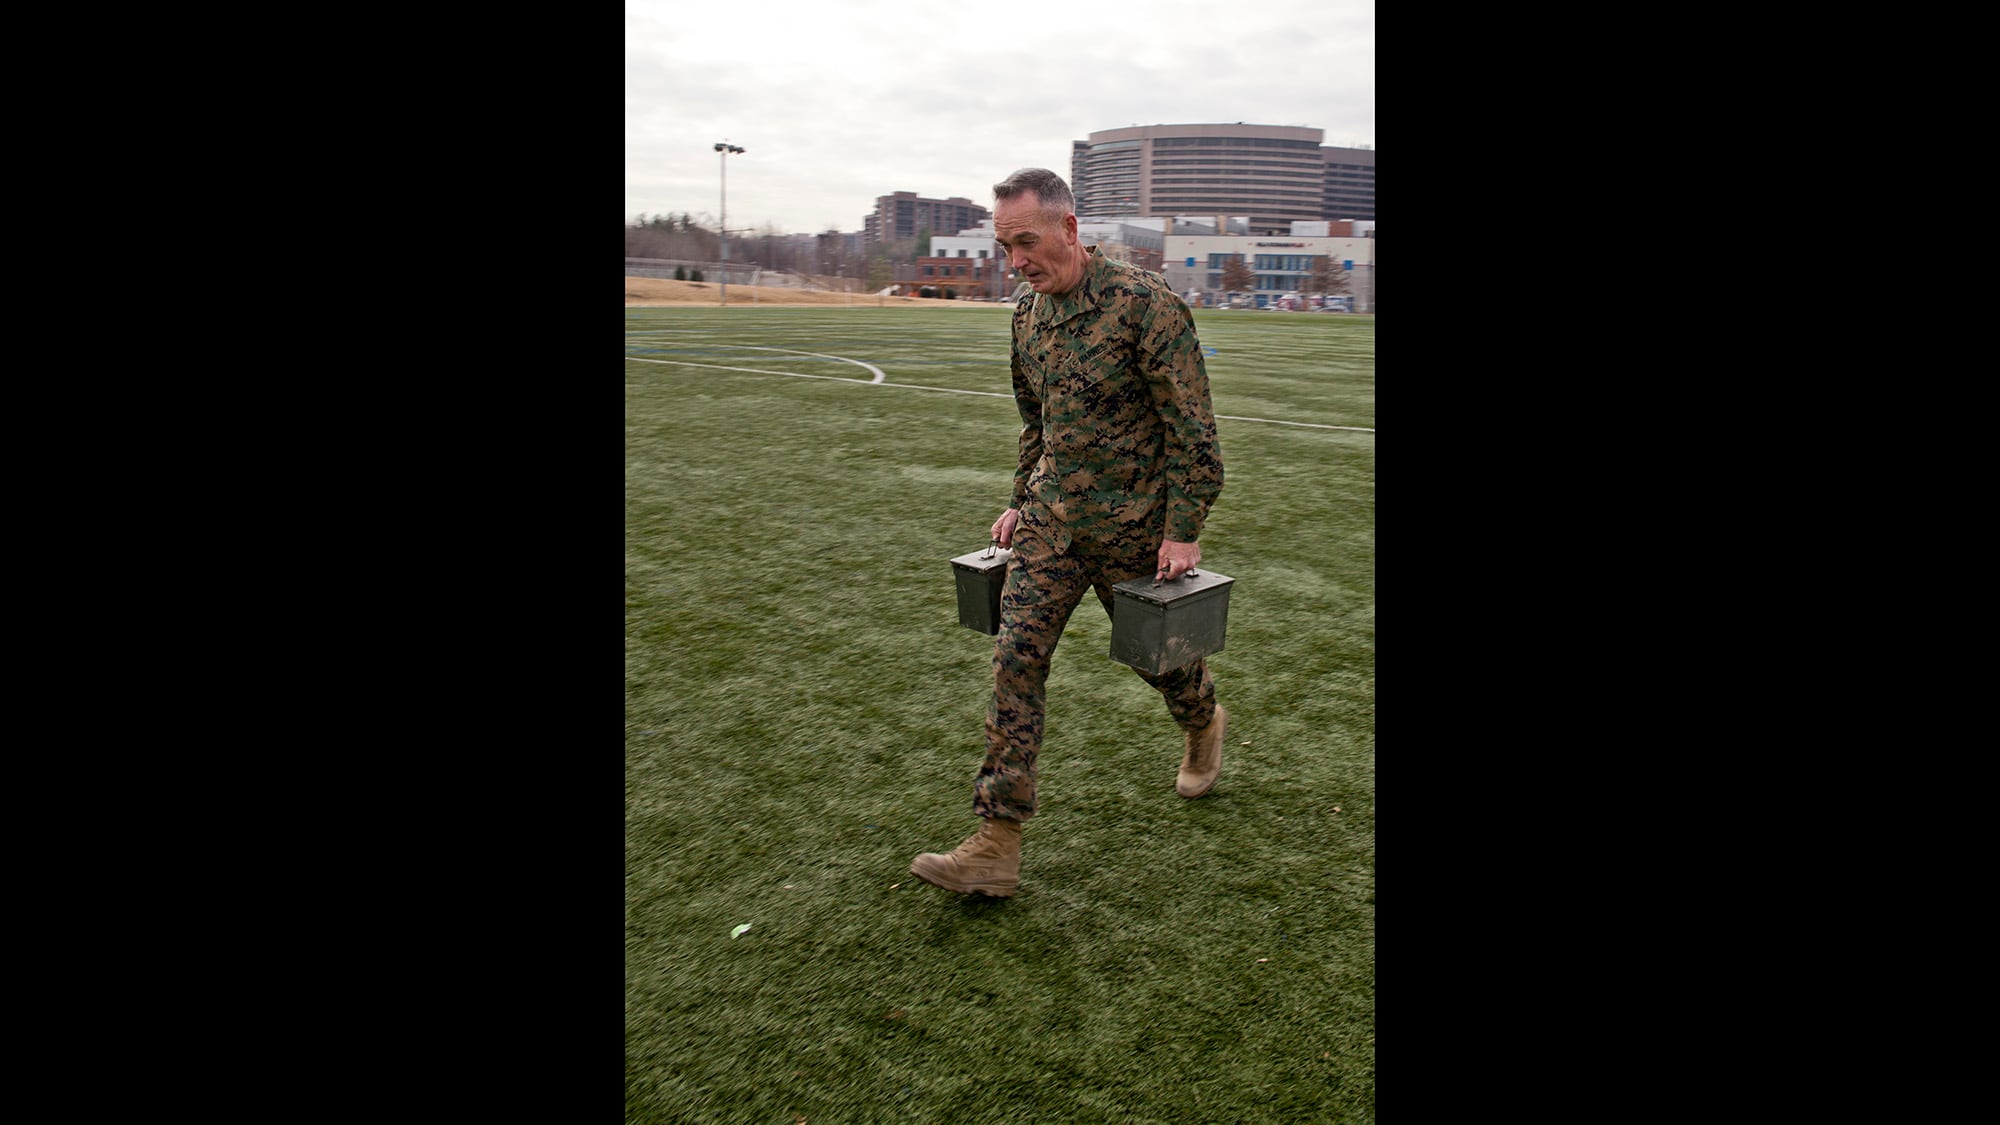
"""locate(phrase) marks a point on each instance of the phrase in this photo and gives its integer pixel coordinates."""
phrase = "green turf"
(803, 716)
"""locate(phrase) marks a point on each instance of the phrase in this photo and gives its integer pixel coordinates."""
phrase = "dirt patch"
(663, 291)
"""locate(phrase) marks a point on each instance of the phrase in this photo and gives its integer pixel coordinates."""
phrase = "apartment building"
(905, 215)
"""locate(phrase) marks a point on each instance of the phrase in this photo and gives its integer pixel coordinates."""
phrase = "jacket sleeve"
(1171, 354)
(1027, 400)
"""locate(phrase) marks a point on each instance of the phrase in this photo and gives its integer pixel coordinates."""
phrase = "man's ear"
(1069, 226)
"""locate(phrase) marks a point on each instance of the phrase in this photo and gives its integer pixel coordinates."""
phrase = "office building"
(1274, 174)
(1350, 184)
(1283, 267)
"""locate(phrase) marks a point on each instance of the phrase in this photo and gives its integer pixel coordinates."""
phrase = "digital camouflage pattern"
(1118, 450)
(1116, 426)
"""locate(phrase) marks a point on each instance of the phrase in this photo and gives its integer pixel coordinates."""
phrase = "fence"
(738, 273)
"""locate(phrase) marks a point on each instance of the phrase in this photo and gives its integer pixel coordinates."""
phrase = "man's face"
(1041, 248)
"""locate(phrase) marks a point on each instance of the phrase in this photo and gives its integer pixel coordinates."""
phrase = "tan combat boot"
(1202, 763)
(987, 863)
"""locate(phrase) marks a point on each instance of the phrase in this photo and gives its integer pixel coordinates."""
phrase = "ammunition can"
(1157, 628)
(979, 577)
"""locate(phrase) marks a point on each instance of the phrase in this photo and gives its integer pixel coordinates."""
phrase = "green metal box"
(979, 576)
(1157, 628)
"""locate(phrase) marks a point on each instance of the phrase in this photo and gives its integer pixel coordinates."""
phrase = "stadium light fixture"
(724, 148)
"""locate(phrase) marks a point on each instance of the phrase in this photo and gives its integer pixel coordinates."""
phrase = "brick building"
(963, 277)
(905, 215)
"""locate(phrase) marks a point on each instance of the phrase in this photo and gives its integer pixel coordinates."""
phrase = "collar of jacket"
(1051, 309)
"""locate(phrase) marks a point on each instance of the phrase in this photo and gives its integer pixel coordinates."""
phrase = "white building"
(1282, 265)
(963, 245)
(1191, 256)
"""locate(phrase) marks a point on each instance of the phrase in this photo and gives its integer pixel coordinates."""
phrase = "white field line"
(1307, 425)
(879, 373)
(881, 380)
(761, 371)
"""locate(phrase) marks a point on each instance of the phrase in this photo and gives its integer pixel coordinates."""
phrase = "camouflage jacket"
(1116, 425)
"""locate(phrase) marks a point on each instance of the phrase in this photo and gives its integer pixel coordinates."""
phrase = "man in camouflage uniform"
(1118, 468)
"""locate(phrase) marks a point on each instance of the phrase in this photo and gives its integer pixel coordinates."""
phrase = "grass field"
(803, 716)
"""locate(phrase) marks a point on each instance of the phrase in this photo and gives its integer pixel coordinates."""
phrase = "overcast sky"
(836, 102)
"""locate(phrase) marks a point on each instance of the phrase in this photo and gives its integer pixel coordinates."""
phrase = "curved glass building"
(1275, 174)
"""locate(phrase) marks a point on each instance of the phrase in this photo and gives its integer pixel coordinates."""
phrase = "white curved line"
(879, 373)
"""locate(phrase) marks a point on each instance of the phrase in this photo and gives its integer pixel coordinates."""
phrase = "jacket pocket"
(1073, 376)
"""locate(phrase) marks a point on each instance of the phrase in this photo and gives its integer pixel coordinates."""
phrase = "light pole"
(725, 148)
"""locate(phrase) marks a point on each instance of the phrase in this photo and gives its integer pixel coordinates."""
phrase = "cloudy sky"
(836, 102)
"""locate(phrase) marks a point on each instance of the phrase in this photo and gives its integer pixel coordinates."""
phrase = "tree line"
(693, 237)
(687, 237)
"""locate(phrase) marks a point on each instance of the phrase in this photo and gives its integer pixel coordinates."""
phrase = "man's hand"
(1003, 528)
(1177, 559)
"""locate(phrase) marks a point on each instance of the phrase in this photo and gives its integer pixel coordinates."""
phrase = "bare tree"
(1328, 279)
(834, 257)
(880, 272)
(670, 237)
(693, 237)
(1236, 276)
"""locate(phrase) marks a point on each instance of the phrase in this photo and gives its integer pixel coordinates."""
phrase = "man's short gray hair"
(1048, 188)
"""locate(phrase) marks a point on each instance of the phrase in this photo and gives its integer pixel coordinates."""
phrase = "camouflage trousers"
(1045, 583)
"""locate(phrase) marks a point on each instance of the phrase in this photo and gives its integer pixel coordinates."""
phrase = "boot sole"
(992, 890)
(1202, 792)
